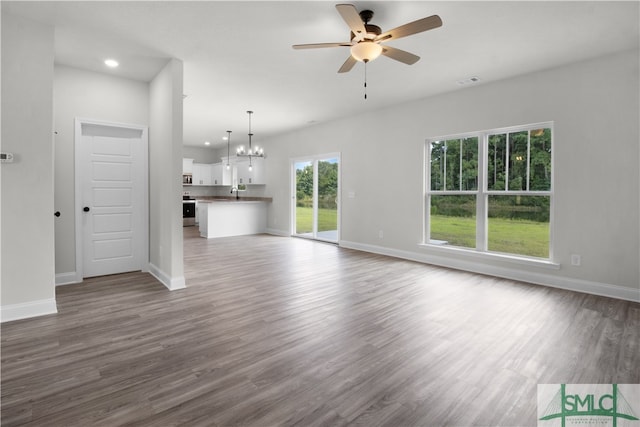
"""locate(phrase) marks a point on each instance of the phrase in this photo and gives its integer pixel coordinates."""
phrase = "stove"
(188, 211)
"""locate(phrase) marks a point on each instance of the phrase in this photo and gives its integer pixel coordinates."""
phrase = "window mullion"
(528, 157)
(460, 165)
(481, 198)
(507, 159)
(444, 163)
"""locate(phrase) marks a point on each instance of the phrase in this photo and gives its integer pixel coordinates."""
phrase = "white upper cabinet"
(220, 175)
(216, 174)
(202, 174)
(253, 176)
(240, 173)
(187, 166)
(227, 174)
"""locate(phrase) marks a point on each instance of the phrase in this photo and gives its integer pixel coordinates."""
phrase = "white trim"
(27, 310)
(68, 278)
(171, 283)
(276, 232)
(545, 279)
(144, 211)
(484, 256)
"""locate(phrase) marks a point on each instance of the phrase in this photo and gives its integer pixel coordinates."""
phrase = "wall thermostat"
(6, 157)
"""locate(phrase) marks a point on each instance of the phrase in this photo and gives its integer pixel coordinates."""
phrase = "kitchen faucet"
(237, 192)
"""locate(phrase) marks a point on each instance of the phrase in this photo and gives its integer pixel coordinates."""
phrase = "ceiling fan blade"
(400, 55)
(353, 20)
(424, 24)
(319, 45)
(348, 64)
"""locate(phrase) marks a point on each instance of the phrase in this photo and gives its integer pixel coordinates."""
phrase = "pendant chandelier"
(251, 152)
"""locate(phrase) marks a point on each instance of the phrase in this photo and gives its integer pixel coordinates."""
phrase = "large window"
(491, 191)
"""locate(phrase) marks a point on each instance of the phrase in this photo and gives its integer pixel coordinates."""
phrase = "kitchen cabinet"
(220, 175)
(253, 176)
(198, 208)
(227, 174)
(187, 166)
(202, 174)
(232, 218)
(240, 173)
(223, 175)
(216, 174)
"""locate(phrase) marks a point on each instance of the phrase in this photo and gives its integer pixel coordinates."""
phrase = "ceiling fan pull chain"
(365, 79)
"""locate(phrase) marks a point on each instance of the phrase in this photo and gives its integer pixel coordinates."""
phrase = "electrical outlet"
(576, 260)
(380, 234)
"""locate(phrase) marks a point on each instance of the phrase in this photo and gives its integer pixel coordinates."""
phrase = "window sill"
(485, 256)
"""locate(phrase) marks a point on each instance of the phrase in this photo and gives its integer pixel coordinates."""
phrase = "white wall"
(86, 94)
(27, 288)
(200, 154)
(165, 176)
(595, 107)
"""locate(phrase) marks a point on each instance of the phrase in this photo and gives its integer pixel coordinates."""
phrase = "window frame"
(482, 192)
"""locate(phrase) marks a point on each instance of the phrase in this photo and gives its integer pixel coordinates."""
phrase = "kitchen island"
(232, 217)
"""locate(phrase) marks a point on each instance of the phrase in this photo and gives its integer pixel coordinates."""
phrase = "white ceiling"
(237, 55)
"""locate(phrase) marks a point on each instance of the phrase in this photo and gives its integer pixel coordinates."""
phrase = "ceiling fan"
(366, 39)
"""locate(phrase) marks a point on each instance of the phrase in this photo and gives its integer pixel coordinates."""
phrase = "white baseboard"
(67, 278)
(26, 310)
(545, 279)
(171, 283)
(276, 232)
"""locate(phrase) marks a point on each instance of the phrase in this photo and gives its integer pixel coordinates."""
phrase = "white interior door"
(112, 174)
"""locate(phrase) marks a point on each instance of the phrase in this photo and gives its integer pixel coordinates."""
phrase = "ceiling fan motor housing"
(372, 31)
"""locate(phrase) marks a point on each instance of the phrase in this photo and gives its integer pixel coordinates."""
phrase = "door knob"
(57, 213)
(86, 209)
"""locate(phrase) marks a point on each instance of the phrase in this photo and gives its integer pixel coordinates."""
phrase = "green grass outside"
(521, 237)
(327, 220)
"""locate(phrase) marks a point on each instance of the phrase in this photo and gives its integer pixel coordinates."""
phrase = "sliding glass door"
(315, 211)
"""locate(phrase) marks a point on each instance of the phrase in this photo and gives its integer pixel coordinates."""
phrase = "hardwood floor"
(281, 331)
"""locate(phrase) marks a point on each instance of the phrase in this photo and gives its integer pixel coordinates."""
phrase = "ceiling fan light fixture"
(366, 51)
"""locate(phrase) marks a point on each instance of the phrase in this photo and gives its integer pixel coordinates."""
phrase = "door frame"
(292, 209)
(143, 242)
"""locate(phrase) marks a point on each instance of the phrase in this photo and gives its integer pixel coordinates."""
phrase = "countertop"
(211, 199)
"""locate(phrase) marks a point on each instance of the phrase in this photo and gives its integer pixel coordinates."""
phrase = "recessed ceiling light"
(225, 138)
(112, 63)
(207, 143)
